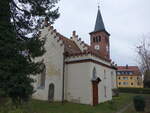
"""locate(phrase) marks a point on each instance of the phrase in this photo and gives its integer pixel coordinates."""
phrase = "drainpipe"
(63, 78)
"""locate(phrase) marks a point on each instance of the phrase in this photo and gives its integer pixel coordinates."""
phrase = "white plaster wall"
(106, 81)
(79, 83)
(53, 59)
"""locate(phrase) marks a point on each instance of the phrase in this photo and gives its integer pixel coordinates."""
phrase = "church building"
(74, 71)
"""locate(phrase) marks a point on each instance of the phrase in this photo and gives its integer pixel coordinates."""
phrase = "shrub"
(135, 90)
(139, 103)
(115, 92)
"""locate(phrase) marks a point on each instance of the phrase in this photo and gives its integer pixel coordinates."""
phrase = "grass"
(36, 106)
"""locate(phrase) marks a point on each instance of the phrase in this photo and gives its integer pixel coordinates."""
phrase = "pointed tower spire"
(100, 37)
(99, 25)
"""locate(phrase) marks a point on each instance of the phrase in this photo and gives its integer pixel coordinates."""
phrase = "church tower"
(99, 38)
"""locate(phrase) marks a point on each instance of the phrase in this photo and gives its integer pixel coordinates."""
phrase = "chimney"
(127, 66)
(74, 33)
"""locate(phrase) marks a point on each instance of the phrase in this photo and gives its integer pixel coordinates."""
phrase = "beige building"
(129, 76)
(75, 71)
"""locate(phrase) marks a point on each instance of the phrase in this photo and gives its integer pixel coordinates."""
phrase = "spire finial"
(98, 3)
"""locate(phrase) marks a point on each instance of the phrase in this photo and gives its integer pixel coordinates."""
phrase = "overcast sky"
(126, 20)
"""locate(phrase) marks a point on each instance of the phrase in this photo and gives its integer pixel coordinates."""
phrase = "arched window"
(42, 77)
(99, 38)
(96, 39)
(51, 92)
(94, 74)
(93, 39)
(105, 91)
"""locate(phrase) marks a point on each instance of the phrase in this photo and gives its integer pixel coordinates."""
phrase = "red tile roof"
(72, 49)
(135, 69)
(128, 68)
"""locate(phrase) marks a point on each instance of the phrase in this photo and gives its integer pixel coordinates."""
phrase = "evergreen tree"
(19, 20)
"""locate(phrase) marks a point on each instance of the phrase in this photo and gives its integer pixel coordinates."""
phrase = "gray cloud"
(125, 20)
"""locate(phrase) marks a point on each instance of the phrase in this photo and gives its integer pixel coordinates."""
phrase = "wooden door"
(95, 92)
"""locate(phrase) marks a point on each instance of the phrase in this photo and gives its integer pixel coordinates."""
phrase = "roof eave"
(100, 31)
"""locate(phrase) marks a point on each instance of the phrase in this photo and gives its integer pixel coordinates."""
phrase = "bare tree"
(143, 50)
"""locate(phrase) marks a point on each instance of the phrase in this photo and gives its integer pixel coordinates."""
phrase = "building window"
(118, 73)
(94, 39)
(131, 83)
(94, 74)
(119, 83)
(112, 73)
(125, 78)
(105, 91)
(42, 76)
(130, 73)
(104, 74)
(119, 78)
(125, 83)
(99, 38)
(112, 78)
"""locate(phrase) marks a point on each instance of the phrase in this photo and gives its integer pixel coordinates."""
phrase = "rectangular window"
(125, 83)
(118, 73)
(112, 78)
(125, 78)
(130, 73)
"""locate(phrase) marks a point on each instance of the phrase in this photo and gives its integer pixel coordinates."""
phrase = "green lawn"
(36, 106)
(117, 103)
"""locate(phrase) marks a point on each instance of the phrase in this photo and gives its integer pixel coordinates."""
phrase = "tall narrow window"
(94, 39)
(104, 74)
(112, 78)
(94, 74)
(105, 91)
(99, 38)
(42, 77)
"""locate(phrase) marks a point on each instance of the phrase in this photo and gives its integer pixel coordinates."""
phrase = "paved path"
(124, 108)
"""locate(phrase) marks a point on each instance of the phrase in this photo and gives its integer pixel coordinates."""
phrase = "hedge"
(135, 90)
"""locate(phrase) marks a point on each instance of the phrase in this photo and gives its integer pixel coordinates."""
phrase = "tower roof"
(99, 25)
